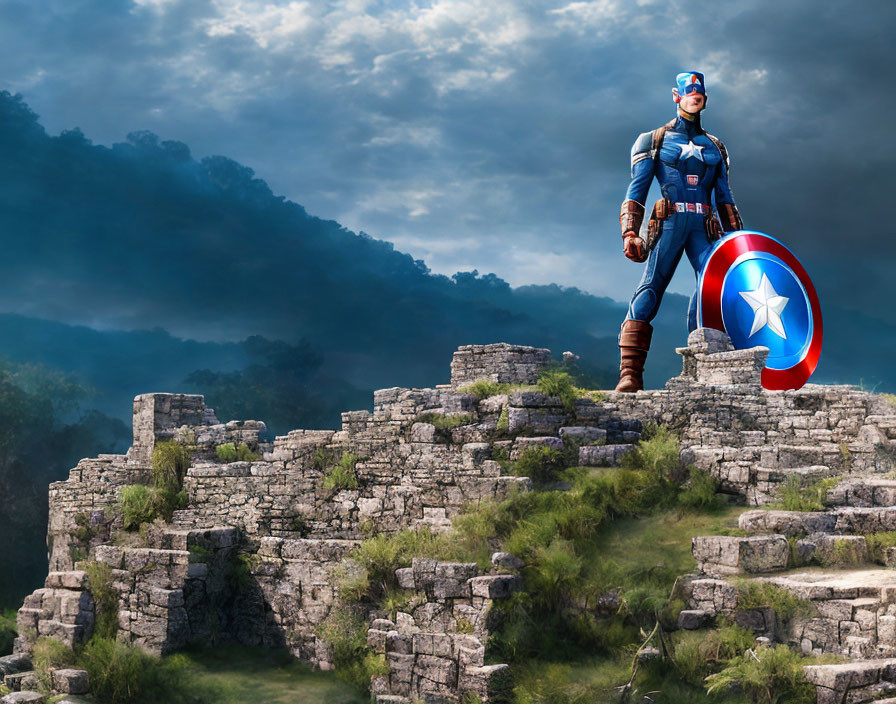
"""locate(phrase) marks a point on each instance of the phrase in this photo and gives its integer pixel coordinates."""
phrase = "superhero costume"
(690, 165)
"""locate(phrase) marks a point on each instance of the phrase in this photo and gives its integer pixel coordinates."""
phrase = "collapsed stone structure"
(279, 524)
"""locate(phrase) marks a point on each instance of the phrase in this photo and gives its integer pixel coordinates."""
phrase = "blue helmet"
(690, 82)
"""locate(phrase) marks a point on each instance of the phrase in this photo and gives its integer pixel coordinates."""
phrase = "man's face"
(692, 103)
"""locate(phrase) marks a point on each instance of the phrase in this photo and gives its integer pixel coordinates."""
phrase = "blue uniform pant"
(683, 232)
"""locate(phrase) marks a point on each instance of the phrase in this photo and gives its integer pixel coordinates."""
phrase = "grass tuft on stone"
(105, 599)
(796, 495)
(560, 384)
(342, 475)
(170, 462)
(768, 675)
(766, 595)
(230, 452)
(484, 388)
(50, 654)
(345, 631)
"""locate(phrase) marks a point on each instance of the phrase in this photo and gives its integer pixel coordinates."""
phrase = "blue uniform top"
(689, 166)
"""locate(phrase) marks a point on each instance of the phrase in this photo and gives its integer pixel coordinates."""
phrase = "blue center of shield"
(763, 303)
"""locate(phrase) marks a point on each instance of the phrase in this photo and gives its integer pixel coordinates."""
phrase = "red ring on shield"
(713, 277)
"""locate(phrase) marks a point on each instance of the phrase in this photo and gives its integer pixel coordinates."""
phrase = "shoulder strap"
(656, 138)
(722, 150)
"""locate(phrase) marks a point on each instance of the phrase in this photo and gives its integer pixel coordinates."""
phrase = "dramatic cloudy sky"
(495, 135)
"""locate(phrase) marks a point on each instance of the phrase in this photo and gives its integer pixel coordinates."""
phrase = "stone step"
(21, 681)
(723, 556)
(28, 697)
(853, 682)
(887, 424)
(842, 612)
(584, 435)
(864, 492)
(720, 556)
(603, 455)
(847, 520)
(765, 482)
(832, 550)
(70, 681)
(10, 664)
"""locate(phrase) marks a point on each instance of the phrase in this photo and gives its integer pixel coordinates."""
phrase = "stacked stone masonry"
(419, 458)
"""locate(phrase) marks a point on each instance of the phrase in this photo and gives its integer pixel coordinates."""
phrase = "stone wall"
(437, 647)
(407, 473)
(422, 456)
(502, 363)
(169, 595)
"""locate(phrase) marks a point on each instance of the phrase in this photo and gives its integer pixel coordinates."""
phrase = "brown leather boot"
(634, 343)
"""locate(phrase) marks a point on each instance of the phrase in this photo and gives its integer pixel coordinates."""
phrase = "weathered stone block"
(24, 698)
(718, 555)
(506, 561)
(70, 681)
(692, 619)
(498, 586)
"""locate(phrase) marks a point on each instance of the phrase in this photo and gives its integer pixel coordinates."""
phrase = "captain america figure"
(689, 165)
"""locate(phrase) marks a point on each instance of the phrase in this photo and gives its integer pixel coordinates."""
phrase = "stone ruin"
(292, 534)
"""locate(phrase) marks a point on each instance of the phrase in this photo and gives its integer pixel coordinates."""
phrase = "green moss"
(464, 626)
(199, 553)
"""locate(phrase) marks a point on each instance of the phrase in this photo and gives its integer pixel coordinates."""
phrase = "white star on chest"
(691, 149)
(767, 306)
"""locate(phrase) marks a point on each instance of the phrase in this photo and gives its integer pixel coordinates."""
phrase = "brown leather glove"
(634, 248)
(630, 218)
(730, 217)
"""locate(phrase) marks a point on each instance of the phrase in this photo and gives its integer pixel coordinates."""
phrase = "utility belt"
(663, 209)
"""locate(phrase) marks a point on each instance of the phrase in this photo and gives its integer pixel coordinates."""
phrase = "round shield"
(754, 288)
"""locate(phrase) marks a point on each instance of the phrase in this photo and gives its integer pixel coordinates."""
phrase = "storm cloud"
(494, 135)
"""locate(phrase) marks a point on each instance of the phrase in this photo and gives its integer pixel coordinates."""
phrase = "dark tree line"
(43, 434)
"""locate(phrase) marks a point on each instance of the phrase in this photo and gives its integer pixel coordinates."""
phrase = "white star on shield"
(767, 306)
